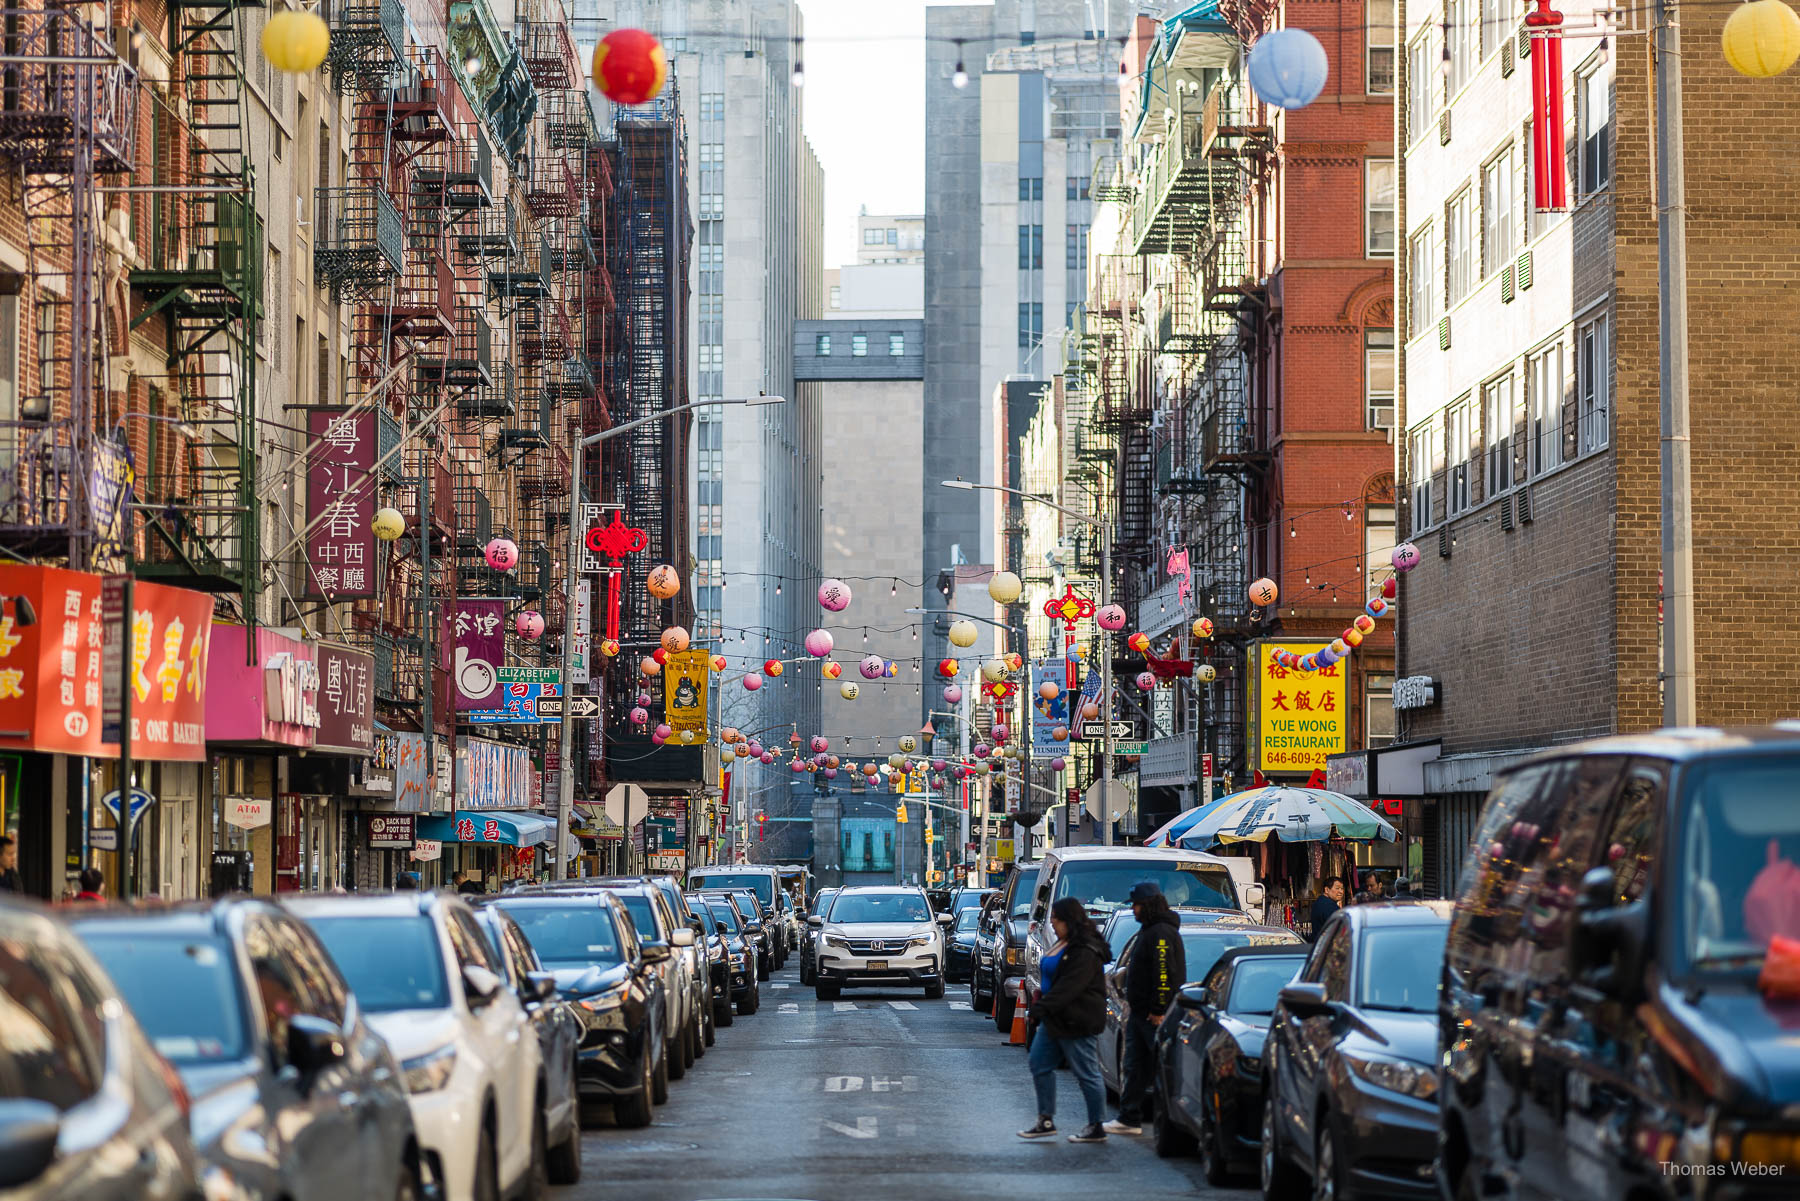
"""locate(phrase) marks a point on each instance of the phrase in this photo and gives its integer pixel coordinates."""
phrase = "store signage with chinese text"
(346, 700)
(474, 649)
(340, 504)
(1300, 716)
(581, 638)
(1415, 692)
(515, 701)
(270, 697)
(390, 831)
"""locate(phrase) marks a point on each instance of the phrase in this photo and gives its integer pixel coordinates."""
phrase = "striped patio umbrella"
(1290, 814)
(1169, 834)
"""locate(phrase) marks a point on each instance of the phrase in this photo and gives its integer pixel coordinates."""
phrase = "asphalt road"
(880, 1095)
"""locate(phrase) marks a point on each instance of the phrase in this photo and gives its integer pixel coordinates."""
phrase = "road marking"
(865, 1127)
(905, 1084)
(902, 1004)
(843, 1006)
(790, 1007)
(772, 985)
(963, 1005)
(843, 1084)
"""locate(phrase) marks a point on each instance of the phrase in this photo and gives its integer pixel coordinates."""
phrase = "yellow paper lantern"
(1005, 587)
(295, 42)
(962, 633)
(1761, 38)
(388, 524)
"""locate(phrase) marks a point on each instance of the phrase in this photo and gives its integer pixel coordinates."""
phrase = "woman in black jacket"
(1070, 1015)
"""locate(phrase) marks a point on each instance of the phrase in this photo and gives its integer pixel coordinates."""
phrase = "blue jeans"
(1048, 1052)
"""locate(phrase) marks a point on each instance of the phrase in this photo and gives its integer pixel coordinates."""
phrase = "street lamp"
(1106, 681)
(565, 798)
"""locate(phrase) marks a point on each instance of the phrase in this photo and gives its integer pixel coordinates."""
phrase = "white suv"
(879, 936)
(424, 975)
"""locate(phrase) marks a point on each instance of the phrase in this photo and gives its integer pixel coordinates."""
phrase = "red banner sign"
(340, 504)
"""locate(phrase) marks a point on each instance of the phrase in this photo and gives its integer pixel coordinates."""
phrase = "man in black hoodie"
(1157, 970)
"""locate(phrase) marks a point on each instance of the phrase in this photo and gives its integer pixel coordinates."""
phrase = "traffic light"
(930, 838)
(900, 813)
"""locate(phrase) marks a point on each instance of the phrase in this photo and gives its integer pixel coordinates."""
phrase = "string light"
(799, 65)
(960, 77)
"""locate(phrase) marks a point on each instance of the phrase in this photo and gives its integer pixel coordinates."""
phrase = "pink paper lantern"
(640, 715)
(1057, 764)
(662, 730)
(756, 748)
(752, 682)
(797, 765)
(873, 667)
(952, 695)
(529, 625)
(1111, 617)
(1002, 733)
(657, 739)
(981, 750)
(502, 554)
(643, 698)
(818, 644)
(834, 595)
(831, 773)
(939, 764)
(1146, 681)
(820, 743)
(767, 757)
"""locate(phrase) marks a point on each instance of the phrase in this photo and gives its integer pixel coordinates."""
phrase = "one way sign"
(579, 707)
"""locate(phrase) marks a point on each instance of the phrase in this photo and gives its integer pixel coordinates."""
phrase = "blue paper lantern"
(1287, 67)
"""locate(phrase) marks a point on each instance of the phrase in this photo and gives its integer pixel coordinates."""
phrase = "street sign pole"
(116, 639)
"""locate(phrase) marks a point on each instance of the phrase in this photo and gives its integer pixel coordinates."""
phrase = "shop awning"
(506, 827)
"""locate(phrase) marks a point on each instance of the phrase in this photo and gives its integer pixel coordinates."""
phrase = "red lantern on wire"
(630, 66)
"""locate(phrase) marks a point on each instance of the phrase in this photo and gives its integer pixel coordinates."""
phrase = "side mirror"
(1608, 947)
(681, 938)
(538, 986)
(28, 1132)
(314, 1044)
(1191, 996)
(945, 919)
(722, 928)
(695, 924)
(754, 929)
(657, 952)
(1254, 895)
(479, 985)
(1305, 999)
(815, 920)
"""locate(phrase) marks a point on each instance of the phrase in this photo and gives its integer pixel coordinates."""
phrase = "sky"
(865, 110)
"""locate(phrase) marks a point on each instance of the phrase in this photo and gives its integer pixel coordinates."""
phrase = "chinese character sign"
(580, 634)
(476, 645)
(346, 700)
(1300, 715)
(340, 504)
(412, 784)
(1046, 715)
(515, 701)
(685, 678)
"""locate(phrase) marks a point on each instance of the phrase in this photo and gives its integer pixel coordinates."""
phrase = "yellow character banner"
(686, 676)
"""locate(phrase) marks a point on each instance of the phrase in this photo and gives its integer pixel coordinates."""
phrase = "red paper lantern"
(630, 66)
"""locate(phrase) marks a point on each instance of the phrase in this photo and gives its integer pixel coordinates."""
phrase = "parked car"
(728, 919)
(1122, 924)
(425, 977)
(758, 924)
(699, 962)
(872, 936)
(558, 1034)
(969, 898)
(959, 950)
(1601, 1017)
(683, 972)
(718, 958)
(1349, 1067)
(249, 1008)
(87, 1108)
(1000, 955)
(590, 945)
(765, 882)
(1201, 946)
(1209, 1054)
(809, 940)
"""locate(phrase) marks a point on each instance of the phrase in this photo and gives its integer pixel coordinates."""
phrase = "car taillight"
(177, 1090)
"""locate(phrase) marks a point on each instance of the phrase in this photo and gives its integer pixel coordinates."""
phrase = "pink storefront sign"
(273, 700)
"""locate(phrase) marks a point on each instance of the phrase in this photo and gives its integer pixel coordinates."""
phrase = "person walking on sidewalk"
(1070, 1015)
(1157, 970)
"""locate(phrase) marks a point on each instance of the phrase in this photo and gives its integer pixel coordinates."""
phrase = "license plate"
(878, 965)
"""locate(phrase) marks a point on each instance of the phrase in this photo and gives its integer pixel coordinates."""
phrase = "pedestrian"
(93, 885)
(1070, 1014)
(468, 883)
(1377, 889)
(1157, 970)
(9, 865)
(1403, 889)
(1331, 899)
(405, 881)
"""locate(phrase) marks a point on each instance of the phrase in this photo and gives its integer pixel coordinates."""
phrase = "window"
(896, 345)
(1459, 26)
(1378, 207)
(1459, 246)
(1075, 247)
(1495, 27)
(859, 346)
(712, 106)
(1080, 187)
(1031, 247)
(1380, 43)
(712, 257)
(1378, 695)
(1497, 428)
(893, 237)
(712, 358)
(1421, 283)
(822, 346)
(712, 308)
(1420, 91)
(1544, 380)
(837, 296)
(46, 1056)
(712, 152)
(1031, 324)
(871, 237)
(1378, 545)
(1423, 455)
(1460, 426)
(1592, 357)
(1594, 110)
(712, 205)
(1378, 377)
(1498, 199)
(1031, 187)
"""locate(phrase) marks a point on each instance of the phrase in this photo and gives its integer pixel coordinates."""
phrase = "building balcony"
(60, 70)
(462, 179)
(1191, 173)
(423, 306)
(367, 40)
(541, 333)
(496, 397)
(491, 236)
(552, 190)
(549, 55)
(360, 241)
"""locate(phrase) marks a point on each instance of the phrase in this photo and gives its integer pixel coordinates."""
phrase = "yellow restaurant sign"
(1300, 716)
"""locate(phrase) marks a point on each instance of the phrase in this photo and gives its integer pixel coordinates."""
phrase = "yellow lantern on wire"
(295, 42)
(1761, 38)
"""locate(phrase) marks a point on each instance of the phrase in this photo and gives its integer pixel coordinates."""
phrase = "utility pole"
(1106, 686)
(1677, 476)
(565, 780)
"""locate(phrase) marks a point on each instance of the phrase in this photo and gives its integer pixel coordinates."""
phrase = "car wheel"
(751, 1001)
(675, 1057)
(1328, 1164)
(537, 1173)
(487, 1166)
(829, 990)
(934, 991)
(723, 1016)
(762, 968)
(710, 1035)
(1169, 1139)
(806, 976)
(659, 1091)
(1003, 1013)
(1280, 1179)
(634, 1112)
(564, 1160)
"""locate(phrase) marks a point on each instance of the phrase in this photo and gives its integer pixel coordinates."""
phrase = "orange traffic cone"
(1017, 1038)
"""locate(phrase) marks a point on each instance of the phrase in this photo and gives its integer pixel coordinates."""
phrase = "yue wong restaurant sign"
(52, 672)
(1300, 715)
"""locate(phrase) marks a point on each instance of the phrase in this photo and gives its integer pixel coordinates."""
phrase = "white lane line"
(902, 1004)
(843, 1006)
(790, 1007)
(963, 1005)
(774, 985)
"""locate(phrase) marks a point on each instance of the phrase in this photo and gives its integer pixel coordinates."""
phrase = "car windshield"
(1256, 982)
(573, 935)
(1201, 946)
(1400, 968)
(864, 907)
(757, 882)
(643, 916)
(1740, 873)
(1024, 885)
(1105, 885)
(726, 914)
(1120, 930)
(968, 921)
(183, 991)
(391, 962)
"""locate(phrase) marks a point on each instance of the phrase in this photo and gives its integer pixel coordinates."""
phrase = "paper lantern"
(773, 667)
(610, 647)
(388, 523)
(766, 758)
(1139, 642)
(831, 773)
(834, 595)
(657, 739)
(1309, 663)
(643, 698)
(1013, 660)
(1090, 710)
(752, 682)
(1049, 690)
(1058, 763)
(648, 666)
(663, 582)
(819, 743)
(963, 632)
(982, 750)
(663, 730)
(1203, 627)
(953, 695)
(1111, 617)
(1004, 587)
(1760, 39)
(1376, 607)
(849, 690)
(1263, 592)
(993, 671)
(502, 554)
(756, 748)
(1324, 657)
(896, 760)
(830, 670)
(1363, 622)
(675, 639)
(1390, 588)
(630, 66)
(688, 737)
(1206, 673)
(939, 764)
(1146, 681)
(870, 769)
(718, 662)
(1287, 68)
(742, 751)
(529, 624)
(1059, 733)
(660, 655)
(948, 668)
(1339, 647)
(295, 42)
(890, 669)
(831, 761)
(1001, 732)
(819, 644)
(873, 667)
(1406, 556)
(639, 716)
(729, 735)
(1352, 637)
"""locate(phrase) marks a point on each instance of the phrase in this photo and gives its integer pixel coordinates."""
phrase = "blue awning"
(502, 826)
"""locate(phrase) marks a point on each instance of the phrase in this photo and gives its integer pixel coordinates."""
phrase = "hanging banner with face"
(685, 678)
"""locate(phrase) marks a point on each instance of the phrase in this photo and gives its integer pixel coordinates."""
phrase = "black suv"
(999, 965)
(1602, 1031)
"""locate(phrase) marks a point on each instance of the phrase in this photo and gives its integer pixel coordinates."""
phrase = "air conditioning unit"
(1381, 417)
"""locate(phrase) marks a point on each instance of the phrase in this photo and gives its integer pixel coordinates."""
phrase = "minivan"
(1601, 1028)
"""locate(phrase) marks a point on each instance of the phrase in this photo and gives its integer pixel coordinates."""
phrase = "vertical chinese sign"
(340, 504)
(346, 700)
(475, 644)
(685, 679)
(580, 633)
(1300, 715)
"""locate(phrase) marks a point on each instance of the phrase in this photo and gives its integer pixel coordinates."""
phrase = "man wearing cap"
(1157, 970)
